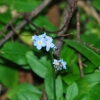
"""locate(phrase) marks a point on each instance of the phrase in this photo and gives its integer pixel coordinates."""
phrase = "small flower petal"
(39, 43)
(48, 38)
(59, 64)
(63, 64)
(42, 36)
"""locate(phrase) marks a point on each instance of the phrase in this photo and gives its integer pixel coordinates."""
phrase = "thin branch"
(91, 46)
(89, 9)
(24, 22)
(78, 39)
(44, 95)
(68, 12)
(6, 26)
(70, 8)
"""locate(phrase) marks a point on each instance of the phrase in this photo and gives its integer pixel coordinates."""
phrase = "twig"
(91, 47)
(78, 39)
(67, 16)
(64, 25)
(89, 9)
(44, 95)
(24, 22)
(2, 32)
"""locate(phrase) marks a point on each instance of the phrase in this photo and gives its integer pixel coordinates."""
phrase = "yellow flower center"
(57, 63)
(40, 42)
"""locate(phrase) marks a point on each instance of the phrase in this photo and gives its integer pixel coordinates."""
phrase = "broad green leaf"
(93, 78)
(26, 36)
(21, 5)
(88, 37)
(49, 84)
(8, 76)
(62, 98)
(83, 86)
(88, 53)
(94, 93)
(25, 95)
(24, 88)
(42, 21)
(15, 52)
(72, 91)
(75, 69)
(59, 87)
(70, 78)
(89, 68)
(5, 17)
(70, 58)
(81, 97)
(14, 97)
(96, 4)
(39, 66)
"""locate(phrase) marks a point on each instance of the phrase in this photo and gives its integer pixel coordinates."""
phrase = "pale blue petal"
(47, 48)
(35, 43)
(43, 35)
(39, 47)
(49, 39)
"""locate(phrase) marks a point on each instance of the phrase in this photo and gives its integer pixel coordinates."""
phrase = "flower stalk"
(54, 78)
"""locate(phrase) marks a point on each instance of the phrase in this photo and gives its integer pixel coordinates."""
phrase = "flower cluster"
(59, 64)
(43, 41)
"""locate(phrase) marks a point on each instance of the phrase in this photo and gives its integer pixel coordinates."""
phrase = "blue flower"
(39, 43)
(59, 64)
(56, 62)
(63, 64)
(49, 45)
(54, 48)
(43, 35)
(34, 38)
(48, 38)
(43, 41)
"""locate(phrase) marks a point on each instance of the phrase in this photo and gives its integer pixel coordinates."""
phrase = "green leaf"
(70, 78)
(24, 95)
(15, 52)
(88, 53)
(8, 76)
(49, 84)
(59, 87)
(5, 17)
(42, 21)
(26, 35)
(96, 4)
(25, 88)
(72, 91)
(75, 69)
(39, 66)
(93, 78)
(83, 86)
(89, 68)
(81, 97)
(94, 93)
(21, 5)
(71, 55)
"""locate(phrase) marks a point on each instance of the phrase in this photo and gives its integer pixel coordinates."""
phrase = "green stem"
(53, 72)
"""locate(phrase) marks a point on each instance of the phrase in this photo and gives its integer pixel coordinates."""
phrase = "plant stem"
(53, 72)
